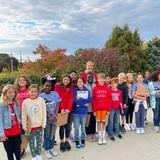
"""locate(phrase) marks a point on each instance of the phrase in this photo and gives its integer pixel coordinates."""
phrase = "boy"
(116, 105)
(101, 102)
(124, 89)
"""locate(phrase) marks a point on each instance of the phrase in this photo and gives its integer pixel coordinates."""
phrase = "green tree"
(129, 44)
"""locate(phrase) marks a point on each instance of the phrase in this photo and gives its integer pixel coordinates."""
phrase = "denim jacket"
(152, 95)
(5, 117)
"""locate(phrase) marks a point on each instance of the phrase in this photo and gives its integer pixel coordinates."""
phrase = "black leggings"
(12, 147)
(91, 129)
(130, 110)
(65, 130)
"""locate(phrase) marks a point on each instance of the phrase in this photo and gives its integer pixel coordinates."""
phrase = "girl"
(140, 94)
(10, 122)
(130, 106)
(22, 84)
(52, 100)
(34, 111)
(91, 129)
(82, 99)
(154, 89)
(65, 91)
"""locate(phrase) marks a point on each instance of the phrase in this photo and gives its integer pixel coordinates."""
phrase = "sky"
(71, 24)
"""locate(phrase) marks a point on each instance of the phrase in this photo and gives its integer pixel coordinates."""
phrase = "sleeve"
(58, 98)
(125, 98)
(1, 122)
(134, 88)
(70, 104)
(152, 92)
(24, 116)
(43, 113)
(93, 100)
(120, 99)
(83, 76)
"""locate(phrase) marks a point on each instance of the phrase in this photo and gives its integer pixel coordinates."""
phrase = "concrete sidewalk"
(131, 147)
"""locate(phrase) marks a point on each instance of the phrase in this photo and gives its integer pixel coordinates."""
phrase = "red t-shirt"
(116, 99)
(15, 129)
(22, 95)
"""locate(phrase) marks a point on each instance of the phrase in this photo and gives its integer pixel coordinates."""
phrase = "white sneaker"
(35, 158)
(138, 131)
(54, 152)
(142, 130)
(100, 142)
(132, 127)
(127, 127)
(39, 157)
(48, 154)
(104, 137)
(156, 129)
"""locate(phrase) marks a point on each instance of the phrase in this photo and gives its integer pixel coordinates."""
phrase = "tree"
(5, 62)
(130, 46)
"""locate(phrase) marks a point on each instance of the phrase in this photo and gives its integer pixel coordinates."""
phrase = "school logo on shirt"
(34, 110)
(115, 96)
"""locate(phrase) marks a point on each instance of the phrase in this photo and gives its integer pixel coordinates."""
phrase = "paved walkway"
(131, 147)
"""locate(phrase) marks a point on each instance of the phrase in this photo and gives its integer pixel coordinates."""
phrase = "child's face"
(101, 80)
(66, 81)
(47, 87)
(33, 92)
(73, 76)
(114, 85)
(22, 82)
(90, 78)
(90, 67)
(11, 93)
(130, 78)
(140, 79)
(121, 79)
(80, 83)
(108, 79)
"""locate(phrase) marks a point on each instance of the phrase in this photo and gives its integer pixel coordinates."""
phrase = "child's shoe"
(104, 137)
(112, 139)
(127, 127)
(54, 152)
(39, 157)
(142, 130)
(67, 146)
(156, 129)
(132, 127)
(62, 146)
(120, 136)
(48, 154)
(82, 143)
(34, 158)
(138, 130)
(77, 144)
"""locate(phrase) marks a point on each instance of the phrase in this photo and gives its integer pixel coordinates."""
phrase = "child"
(22, 84)
(130, 106)
(116, 105)
(10, 122)
(124, 89)
(52, 100)
(101, 103)
(91, 129)
(140, 93)
(34, 111)
(82, 99)
(65, 91)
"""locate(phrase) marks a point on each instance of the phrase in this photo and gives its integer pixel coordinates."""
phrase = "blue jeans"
(49, 136)
(157, 113)
(79, 120)
(140, 116)
(113, 122)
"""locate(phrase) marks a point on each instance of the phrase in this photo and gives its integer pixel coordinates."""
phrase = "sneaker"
(77, 144)
(156, 129)
(54, 152)
(104, 140)
(82, 143)
(100, 141)
(34, 158)
(123, 129)
(62, 147)
(39, 157)
(120, 136)
(67, 146)
(127, 127)
(142, 130)
(132, 127)
(138, 131)
(48, 154)
(112, 139)
(23, 152)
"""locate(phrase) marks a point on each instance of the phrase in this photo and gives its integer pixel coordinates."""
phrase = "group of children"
(108, 103)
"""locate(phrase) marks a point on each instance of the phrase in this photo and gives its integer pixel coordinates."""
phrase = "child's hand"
(67, 111)
(78, 97)
(3, 138)
(87, 104)
(94, 113)
(62, 111)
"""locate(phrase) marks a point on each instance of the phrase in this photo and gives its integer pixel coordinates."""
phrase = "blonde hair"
(121, 75)
(16, 83)
(101, 75)
(89, 62)
(3, 98)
